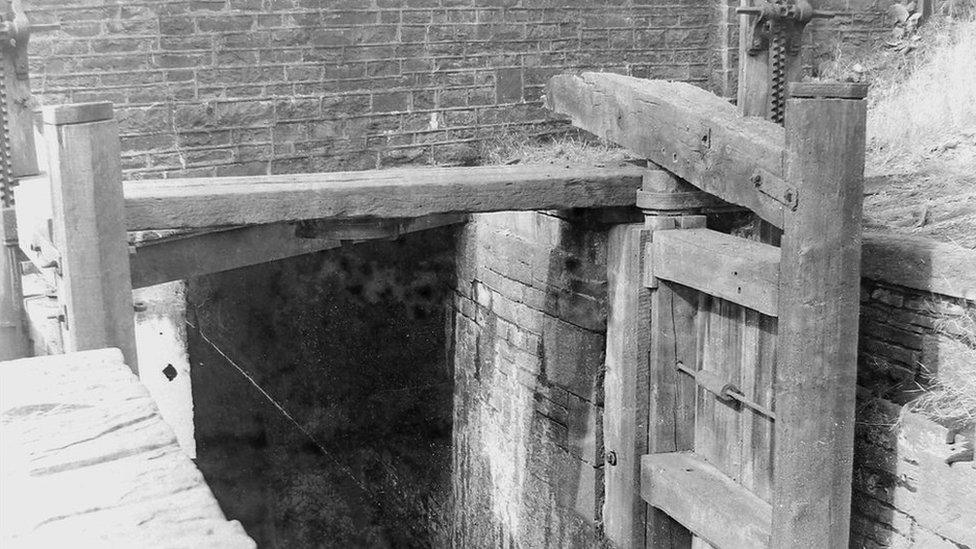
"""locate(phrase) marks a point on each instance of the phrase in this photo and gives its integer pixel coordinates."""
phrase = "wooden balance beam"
(378, 194)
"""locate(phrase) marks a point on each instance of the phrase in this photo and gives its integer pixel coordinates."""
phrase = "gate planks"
(808, 184)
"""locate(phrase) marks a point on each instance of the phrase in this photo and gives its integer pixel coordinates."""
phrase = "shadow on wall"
(904, 493)
(351, 343)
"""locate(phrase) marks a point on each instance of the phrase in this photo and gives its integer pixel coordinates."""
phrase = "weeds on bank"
(950, 399)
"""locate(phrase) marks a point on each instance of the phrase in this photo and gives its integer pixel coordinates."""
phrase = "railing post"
(818, 320)
(89, 228)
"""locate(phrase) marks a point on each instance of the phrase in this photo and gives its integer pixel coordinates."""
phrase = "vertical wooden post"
(818, 321)
(673, 314)
(14, 339)
(626, 386)
(89, 228)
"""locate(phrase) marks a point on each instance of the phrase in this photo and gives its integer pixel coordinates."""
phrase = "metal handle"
(724, 390)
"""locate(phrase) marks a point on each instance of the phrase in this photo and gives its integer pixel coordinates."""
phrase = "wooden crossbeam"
(187, 256)
(705, 501)
(688, 131)
(396, 193)
(742, 271)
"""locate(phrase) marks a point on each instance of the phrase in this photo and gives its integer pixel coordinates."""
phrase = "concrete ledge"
(919, 263)
(84, 440)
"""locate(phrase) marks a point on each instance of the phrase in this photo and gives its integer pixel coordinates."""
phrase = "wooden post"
(625, 386)
(89, 228)
(14, 340)
(818, 322)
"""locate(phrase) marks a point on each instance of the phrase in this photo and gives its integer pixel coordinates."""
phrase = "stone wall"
(231, 87)
(530, 325)
(917, 318)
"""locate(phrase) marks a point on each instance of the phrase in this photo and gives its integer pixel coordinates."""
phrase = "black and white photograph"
(478, 274)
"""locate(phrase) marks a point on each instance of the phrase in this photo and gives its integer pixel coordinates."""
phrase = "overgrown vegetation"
(923, 89)
(950, 399)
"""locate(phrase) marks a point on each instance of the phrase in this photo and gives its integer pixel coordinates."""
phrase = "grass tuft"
(570, 148)
(950, 399)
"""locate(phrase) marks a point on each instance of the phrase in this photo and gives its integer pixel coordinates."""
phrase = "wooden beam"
(818, 324)
(626, 385)
(688, 131)
(738, 270)
(89, 232)
(187, 256)
(704, 500)
(397, 193)
(359, 230)
(671, 410)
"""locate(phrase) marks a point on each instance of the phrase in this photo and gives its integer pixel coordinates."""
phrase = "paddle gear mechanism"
(15, 31)
(777, 30)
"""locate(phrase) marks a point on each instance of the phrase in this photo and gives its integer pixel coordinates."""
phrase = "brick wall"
(904, 495)
(905, 335)
(222, 87)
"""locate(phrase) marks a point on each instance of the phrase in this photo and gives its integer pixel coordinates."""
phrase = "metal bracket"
(776, 188)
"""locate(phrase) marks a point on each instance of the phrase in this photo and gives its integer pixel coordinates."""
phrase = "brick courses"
(276, 86)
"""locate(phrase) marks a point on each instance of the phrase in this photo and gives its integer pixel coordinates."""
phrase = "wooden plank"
(919, 263)
(78, 113)
(396, 193)
(626, 385)
(89, 232)
(818, 325)
(735, 269)
(758, 369)
(671, 412)
(85, 440)
(718, 437)
(688, 131)
(705, 501)
(165, 260)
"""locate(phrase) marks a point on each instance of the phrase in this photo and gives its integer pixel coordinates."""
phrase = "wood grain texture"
(688, 131)
(818, 325)
(83, 437)
(735, 269)
(165, 260)
(705, 501)
(89, 232)
(671, 411)
(395, 193)
(77, 113)
(626, 385)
